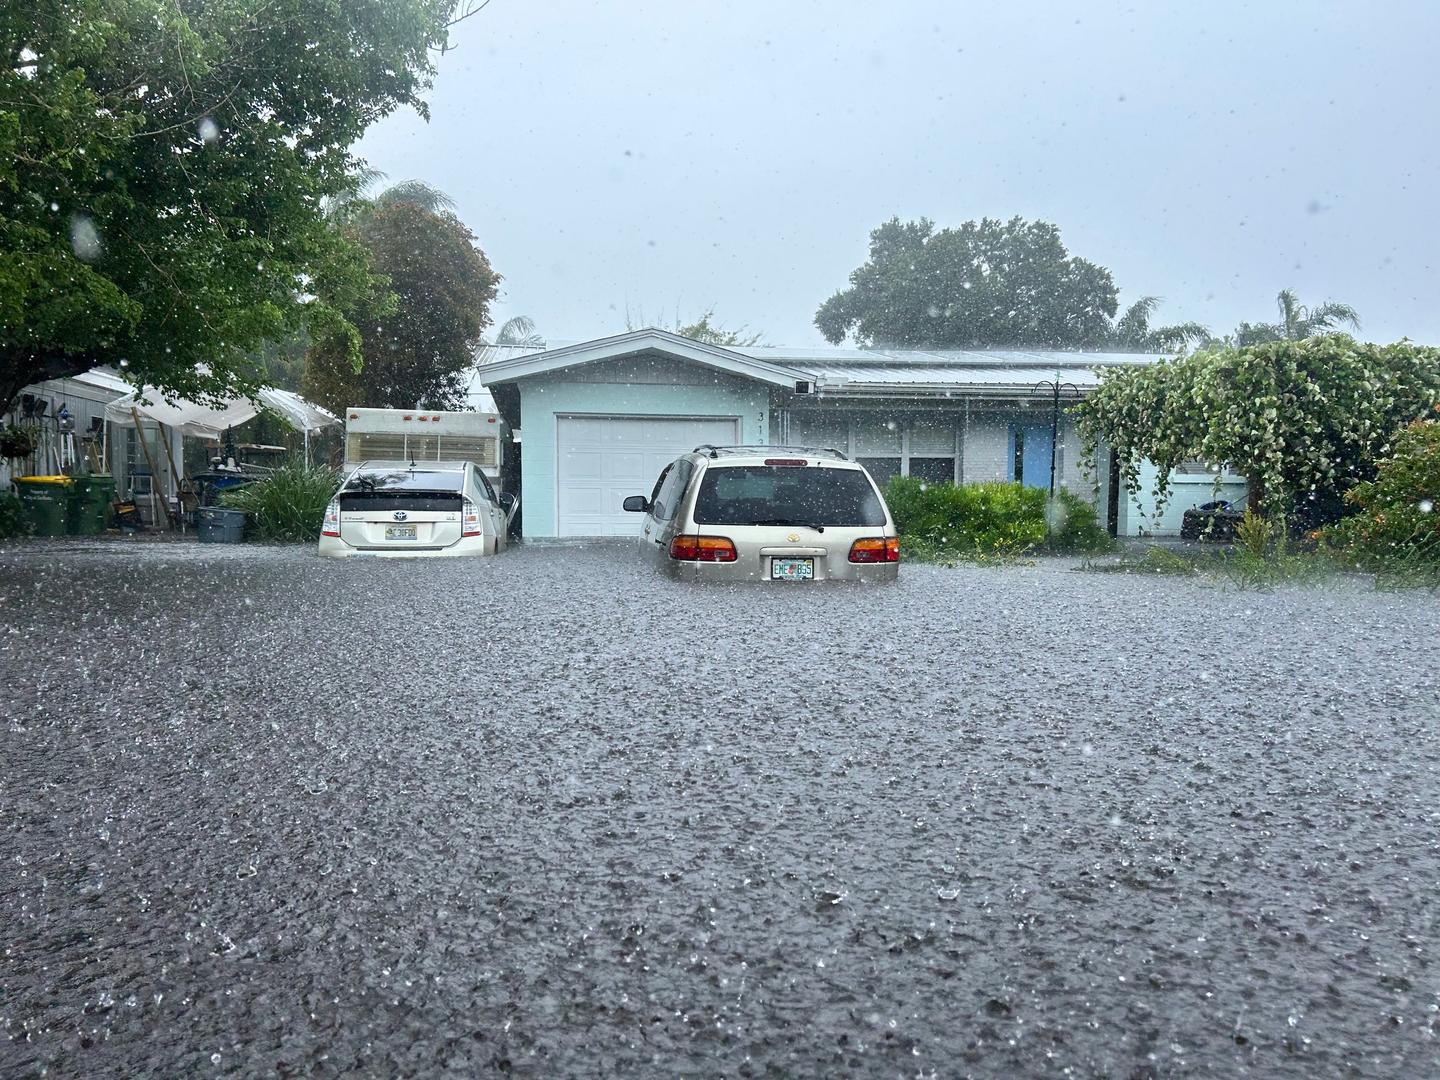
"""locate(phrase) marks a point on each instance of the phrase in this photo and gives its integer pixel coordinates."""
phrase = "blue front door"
(1030, 454)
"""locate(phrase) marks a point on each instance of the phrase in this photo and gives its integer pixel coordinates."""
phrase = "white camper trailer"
(424, 435)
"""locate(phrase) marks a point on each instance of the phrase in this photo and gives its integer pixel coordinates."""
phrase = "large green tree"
(986, 283)
(163, 166)
(420, 345)
(1300, 419)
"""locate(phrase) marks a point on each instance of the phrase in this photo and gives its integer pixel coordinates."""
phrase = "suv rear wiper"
(789, 521)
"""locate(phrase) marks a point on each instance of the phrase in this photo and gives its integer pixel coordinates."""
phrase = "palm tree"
(519, 330)
(344, 208)
(1298, 322)
(1132, 330)
(416, 193)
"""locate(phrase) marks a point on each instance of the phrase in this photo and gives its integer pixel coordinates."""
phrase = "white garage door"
(602, 459)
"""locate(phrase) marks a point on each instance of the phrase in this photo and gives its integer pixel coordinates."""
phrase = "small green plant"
(1254, 534)
(16, 442)
(12, 518)
(289, 504)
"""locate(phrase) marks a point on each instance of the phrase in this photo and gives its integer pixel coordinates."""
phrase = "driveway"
(547, 815)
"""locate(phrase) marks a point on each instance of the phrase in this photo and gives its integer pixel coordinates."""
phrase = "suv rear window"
(787, 494)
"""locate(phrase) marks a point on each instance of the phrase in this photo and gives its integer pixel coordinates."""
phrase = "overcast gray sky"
(737, 154)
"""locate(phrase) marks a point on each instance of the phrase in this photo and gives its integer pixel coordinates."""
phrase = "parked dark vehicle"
(1215, 520)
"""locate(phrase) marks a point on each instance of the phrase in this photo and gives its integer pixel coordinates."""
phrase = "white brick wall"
(987, 448)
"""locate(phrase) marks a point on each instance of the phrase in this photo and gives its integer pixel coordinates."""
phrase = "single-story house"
(597, 421)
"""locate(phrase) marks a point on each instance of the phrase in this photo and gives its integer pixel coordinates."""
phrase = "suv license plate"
(792, 569)
(399, 532)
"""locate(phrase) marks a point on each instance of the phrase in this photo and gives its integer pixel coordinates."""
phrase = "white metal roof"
(833, 370)
(811, 355)
(639, 342)
(104, 378)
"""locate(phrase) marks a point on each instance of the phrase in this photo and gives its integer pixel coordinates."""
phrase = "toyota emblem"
(400, 515)
(794, 538)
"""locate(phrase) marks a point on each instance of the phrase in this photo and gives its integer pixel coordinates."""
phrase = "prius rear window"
(406, 480)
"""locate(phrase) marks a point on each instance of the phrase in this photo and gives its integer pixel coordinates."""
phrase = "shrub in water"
(289, 504)
(12, 518)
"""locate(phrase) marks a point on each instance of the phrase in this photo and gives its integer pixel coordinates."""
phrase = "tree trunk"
(1255, 495)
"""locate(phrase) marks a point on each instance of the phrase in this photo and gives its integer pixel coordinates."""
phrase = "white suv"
(408, 508)
(767, 513)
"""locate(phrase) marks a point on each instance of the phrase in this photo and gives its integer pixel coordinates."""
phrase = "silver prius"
(767, 513)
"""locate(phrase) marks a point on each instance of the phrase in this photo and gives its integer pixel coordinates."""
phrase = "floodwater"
(548, 815)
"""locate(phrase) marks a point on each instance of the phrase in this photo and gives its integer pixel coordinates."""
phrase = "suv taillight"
(331, 525)
(470, 519)
(702, 549)
(875, 549)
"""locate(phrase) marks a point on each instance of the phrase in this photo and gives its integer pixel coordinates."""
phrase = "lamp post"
(1055, 388)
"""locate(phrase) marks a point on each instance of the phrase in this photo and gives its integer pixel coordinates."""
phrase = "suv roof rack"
(712, 451)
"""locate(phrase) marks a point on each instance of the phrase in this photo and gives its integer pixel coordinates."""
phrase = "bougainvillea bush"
(1301, 420)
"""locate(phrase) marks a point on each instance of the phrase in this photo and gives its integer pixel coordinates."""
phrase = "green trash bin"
(99, 504)
(75, 498)
(45, 502)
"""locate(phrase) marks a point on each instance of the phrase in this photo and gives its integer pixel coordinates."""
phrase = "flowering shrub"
(1397, 514)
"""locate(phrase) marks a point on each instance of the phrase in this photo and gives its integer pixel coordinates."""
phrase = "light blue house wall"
(1138, 515)
(621, 388)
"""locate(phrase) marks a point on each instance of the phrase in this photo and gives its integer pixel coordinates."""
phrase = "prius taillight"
(702, 549)
(875, 549)
(331, 525)
(470, 519)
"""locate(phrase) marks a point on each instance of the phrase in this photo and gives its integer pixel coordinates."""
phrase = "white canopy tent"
(210, 422)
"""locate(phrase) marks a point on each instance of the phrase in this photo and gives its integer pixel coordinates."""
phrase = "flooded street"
(548, 814)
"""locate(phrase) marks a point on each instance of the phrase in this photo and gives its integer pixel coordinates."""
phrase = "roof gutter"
(930, 390)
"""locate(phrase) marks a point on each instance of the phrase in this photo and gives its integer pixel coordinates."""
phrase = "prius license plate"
(399, 532)
(792, 569)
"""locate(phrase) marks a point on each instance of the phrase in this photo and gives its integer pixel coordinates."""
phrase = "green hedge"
(989, 519)
(1075, 526)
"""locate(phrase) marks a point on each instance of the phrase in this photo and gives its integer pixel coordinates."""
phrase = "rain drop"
(85, 238)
